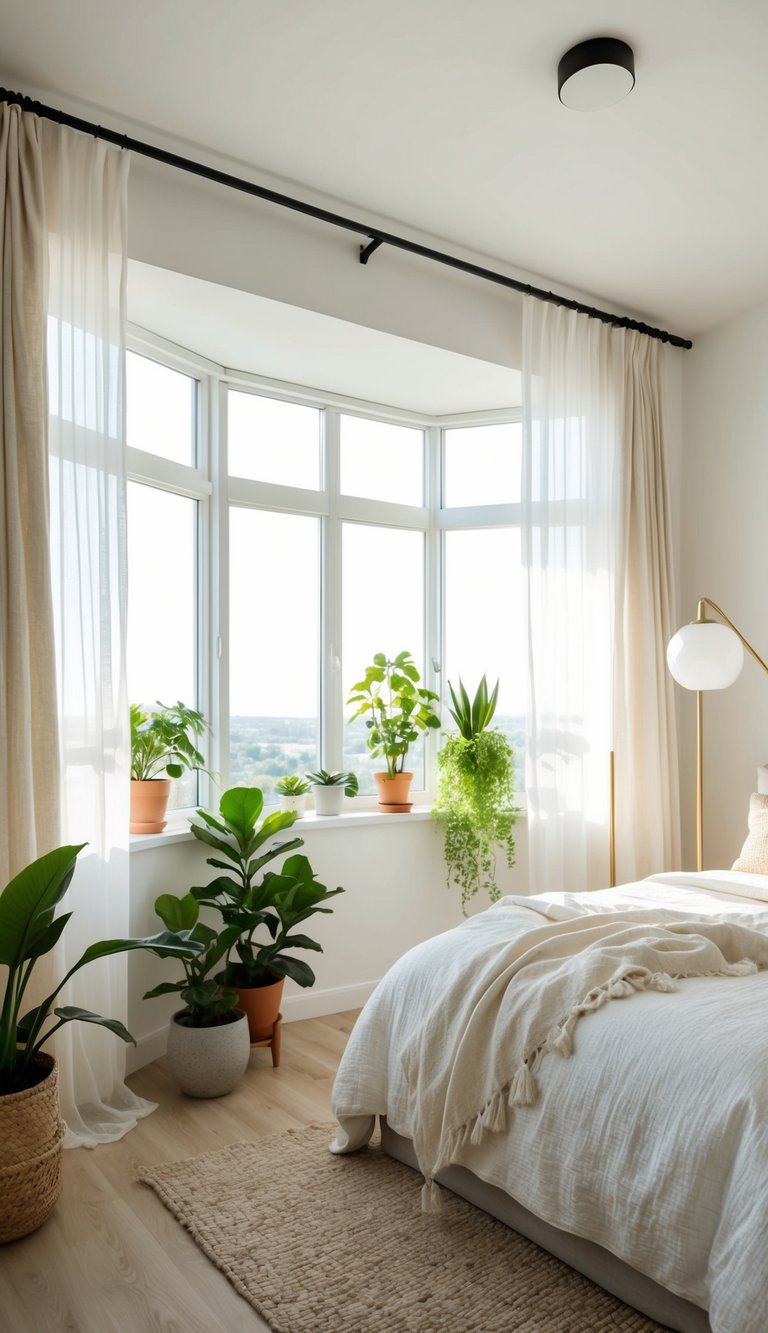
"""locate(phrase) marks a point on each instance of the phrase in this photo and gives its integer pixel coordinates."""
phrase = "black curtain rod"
(376, 237)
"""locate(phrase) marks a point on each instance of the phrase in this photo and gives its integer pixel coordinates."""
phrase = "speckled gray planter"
(208, 1062)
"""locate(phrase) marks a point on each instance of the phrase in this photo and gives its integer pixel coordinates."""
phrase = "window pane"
(483, 465)
(274, 620)
(273, 441)
(383, 612)
(485, 625)
(161, 410)
(162, 563)
(380, 461)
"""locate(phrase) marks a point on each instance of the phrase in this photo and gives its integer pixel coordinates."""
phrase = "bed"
(642, 1159)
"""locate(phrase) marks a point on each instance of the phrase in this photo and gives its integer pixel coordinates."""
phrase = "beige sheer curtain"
(29, 780)
(648, 806)
(596, 528)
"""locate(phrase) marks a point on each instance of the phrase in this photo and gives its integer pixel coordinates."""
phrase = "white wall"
(395, 896)
(725, 505)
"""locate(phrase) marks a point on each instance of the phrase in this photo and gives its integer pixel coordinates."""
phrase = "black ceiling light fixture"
(596, 74)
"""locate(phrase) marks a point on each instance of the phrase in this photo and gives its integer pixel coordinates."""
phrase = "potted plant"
(31, 1130)
(293, 794)
(162, 741)
(329, 790)
(476, 794)
(208, 1042)
(399, 711)
(265, 909)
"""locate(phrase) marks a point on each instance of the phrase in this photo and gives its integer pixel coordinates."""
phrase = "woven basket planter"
(32, 1133)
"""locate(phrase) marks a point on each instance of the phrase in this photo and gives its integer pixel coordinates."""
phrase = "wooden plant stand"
(273, 1042)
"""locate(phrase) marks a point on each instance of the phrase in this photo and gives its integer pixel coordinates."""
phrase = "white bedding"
(652, 1140)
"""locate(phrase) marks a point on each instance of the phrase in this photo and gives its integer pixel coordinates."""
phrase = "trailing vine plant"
(476, 795)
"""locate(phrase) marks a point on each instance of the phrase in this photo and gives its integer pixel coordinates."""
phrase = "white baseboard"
(148, 1048)
(306, 1004)
(316, 1003)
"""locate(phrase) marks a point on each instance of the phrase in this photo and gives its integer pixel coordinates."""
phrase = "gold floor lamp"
(707, 655)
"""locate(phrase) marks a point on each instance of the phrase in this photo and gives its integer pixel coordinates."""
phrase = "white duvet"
(652, 1139)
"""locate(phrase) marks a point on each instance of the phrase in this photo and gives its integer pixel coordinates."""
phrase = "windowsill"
(180, 831)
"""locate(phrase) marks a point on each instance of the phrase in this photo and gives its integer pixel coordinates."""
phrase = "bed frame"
(596, 1263)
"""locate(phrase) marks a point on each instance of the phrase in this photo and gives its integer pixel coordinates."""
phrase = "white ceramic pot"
(329, 799)
(208, 1062)
(294, 803)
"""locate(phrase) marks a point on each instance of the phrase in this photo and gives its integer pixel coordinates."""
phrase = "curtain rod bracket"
(367, 250)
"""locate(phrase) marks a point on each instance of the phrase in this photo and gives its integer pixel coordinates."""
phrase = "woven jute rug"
(324, 1244)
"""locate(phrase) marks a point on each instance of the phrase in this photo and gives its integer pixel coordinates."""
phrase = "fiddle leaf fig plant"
(264, 909)
(396, 708)
(28, 931)
(475, 795)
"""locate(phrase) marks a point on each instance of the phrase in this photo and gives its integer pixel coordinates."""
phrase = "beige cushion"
(753, 859)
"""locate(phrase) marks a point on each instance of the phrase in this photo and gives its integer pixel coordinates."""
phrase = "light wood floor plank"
(112, 1259)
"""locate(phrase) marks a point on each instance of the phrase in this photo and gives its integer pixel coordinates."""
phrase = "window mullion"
(219, 641)
(432, 591)
(332, 704)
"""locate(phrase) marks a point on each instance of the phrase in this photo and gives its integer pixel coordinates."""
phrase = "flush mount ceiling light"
(596, 74)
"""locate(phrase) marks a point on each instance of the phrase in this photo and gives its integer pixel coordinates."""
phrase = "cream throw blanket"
(475, 1057)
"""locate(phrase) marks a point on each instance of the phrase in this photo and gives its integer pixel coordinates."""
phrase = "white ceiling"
(241, 331)
(444, 115)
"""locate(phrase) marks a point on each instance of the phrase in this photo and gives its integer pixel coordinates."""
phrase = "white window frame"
(208, 482)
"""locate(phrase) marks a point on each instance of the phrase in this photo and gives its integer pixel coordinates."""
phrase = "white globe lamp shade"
(705, 656)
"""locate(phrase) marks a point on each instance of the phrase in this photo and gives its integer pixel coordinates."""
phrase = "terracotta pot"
(208, 1062)
(261, 1004)
(32, 1133)
(394, 793)
(149, 802)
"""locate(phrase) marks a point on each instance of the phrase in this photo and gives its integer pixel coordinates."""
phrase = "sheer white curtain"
(596, 548)
(86, 187)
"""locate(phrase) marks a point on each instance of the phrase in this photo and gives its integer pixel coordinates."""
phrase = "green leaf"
(295, 968)
(211, 840)
(31, 894)
(69, 1013)
(302, 942)
(165, 988)
(177, 913)
(241, 807)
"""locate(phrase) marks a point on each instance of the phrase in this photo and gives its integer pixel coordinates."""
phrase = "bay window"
(279, 537)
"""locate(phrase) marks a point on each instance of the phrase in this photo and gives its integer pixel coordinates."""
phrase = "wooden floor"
(111, 1259)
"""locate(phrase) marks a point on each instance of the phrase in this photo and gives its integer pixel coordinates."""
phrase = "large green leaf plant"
(475, 799)
(397, 710)
(163, 740)
(263, 907)
(29, 929)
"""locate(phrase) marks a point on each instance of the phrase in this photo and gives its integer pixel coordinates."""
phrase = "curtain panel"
(29, 782)
(597, 551)
(86, 194)
(64, 739)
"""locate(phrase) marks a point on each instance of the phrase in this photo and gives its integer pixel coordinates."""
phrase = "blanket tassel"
(523, 1090)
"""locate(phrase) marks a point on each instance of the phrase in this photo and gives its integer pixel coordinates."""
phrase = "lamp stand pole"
(699, 780)
(612, 819)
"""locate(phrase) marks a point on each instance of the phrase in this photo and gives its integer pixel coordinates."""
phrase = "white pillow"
(762, 780)
(753, 859)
